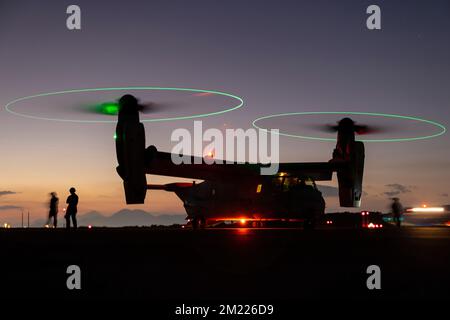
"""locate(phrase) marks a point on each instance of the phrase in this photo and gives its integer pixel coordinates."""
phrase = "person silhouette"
(53, 213)
(71, 212)
(397, 211)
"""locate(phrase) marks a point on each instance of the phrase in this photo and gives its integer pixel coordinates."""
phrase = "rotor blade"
(359, 129)
(112, 108)
(106, 108)
(154, 107)
(371, 129)
(324, 127)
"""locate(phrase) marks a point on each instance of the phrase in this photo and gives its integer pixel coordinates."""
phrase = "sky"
(279, 56)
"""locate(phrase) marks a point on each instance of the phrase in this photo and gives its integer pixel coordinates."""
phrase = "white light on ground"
(427, 209)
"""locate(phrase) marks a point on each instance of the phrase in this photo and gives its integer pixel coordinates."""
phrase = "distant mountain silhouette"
(121, 218)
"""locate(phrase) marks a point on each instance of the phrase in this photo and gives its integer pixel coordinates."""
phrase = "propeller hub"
(346, 123)
(128, 104)
(129, 108)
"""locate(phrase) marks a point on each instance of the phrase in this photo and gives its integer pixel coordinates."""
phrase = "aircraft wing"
(160, 163)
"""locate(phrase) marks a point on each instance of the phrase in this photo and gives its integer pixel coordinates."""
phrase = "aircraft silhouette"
(237, 191)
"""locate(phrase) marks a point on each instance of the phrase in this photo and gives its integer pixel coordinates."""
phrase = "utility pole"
(22, 218)
(28, 218)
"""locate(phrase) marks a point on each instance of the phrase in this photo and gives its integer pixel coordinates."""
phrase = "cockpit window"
(309, 182)
(286, 183)
(290, 182)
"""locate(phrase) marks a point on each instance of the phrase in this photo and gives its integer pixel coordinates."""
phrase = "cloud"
(444, 195)
(3, 208)
(397, 189)
(6, 192)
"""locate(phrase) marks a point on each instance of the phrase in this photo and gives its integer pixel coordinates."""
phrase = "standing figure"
(71, 212)
(53, 213)
(397, 211)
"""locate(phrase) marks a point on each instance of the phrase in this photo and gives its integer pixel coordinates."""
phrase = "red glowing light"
(202, 94)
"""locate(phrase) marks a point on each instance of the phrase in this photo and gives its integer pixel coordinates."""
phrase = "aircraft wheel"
(202, 223)
(198, 223)
(195, 223)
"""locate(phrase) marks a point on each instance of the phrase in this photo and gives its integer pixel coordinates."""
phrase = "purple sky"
(280, 56)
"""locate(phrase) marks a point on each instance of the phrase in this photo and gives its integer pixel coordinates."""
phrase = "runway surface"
(226, 264)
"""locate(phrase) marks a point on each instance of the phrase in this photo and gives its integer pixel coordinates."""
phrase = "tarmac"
(239, 264)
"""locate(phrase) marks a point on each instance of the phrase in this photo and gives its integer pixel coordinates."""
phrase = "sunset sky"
(279, 56)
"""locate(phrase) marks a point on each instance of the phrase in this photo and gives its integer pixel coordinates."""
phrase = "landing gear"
(258, 224)
(198, 222)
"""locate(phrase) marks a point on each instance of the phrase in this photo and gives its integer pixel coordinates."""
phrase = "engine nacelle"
(350, 178)
(130, 150)
(350, 154)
